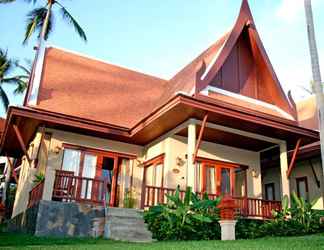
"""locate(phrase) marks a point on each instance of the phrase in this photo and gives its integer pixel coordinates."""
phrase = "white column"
(227, 229)
(190, 153)
(48, 184)
(283, 170)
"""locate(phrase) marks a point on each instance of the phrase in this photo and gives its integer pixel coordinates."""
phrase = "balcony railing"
(246, 207)
(35, 195)
(70, 188)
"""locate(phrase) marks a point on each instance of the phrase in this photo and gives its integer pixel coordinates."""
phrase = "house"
(100, 133)
(306, 179)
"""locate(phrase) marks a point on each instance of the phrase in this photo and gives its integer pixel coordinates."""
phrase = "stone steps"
(126, 224)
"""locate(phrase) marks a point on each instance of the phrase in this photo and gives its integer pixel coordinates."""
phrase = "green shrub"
(190, 219)
(129, 200)
(299, 219)
(249, 228)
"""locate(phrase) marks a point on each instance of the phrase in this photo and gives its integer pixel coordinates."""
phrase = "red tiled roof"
(78, 86)
(185, 79)
(83, 87)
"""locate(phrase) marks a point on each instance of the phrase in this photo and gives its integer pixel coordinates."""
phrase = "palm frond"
(21, 87)
(35, 21)
(68, 17)
(5, 63)
(11, 1)
(4, 98)
(49, 27)
(7, 1)
(23, 68)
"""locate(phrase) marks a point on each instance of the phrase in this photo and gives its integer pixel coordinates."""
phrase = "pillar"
(285, 190)
(190, 153)
(48, 184)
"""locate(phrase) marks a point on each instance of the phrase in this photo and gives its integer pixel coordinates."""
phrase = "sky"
(161, 37)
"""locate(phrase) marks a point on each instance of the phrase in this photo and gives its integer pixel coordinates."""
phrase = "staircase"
(126, 224)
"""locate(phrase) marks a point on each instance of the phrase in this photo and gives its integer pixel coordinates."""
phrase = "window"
(216, 177)
(154, 171)
(96, 166)
(302, 187)
(270, 192)
(71, 161)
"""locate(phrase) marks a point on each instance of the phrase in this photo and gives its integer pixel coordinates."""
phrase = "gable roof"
(75, 85)
(245, 23)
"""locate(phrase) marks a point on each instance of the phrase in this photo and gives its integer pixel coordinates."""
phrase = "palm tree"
(318, 88)
(6, 67)
(41, 20)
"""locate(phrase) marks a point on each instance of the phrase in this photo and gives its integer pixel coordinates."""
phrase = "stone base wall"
(62, 219)
(24, 222)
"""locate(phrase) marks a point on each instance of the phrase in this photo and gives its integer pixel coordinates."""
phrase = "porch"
(95, 191)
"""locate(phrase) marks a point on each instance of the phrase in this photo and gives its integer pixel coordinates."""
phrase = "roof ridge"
(88, 57)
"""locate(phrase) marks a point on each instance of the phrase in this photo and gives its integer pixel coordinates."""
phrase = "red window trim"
(219, 165)
(218, 162)
(154, 161)
(99, 151)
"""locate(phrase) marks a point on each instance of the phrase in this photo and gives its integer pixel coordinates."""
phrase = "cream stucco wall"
(175, 165)
(55, 156)
(302, 169)
(27, 176)
(178, 146)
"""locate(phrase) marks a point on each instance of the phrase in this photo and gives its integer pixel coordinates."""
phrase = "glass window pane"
(302, 189)
(240, 178)
(71, 161)
(89, 171)
(198, 176)
(225, 181)
(210, 180)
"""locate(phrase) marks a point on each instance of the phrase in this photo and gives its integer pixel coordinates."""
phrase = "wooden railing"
(70, 188)
(246, 207)
(35, 195)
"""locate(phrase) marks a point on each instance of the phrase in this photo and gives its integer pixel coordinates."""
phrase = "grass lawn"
(19, 241)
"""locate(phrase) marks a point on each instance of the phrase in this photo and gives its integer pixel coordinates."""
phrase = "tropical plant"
(129, 200)
(7, 66)
(299, 219)
(302, 211)
(40, 177)
(284, 213)
(41, 19)
(192, 218)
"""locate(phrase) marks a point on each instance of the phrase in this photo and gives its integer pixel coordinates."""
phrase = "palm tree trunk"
(45, 24)
(318, 88)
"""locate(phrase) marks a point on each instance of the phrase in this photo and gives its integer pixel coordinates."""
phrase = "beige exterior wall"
(178, 146)
(55, 156)
(27, 175)
(302, 169)
(175, 163)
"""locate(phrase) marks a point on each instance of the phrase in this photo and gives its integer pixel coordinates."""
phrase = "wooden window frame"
(158, 160)
(302, 179)
(100, 154)
(219, 165)
(272, 185)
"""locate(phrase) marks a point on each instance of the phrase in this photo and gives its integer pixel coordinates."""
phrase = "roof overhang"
(175, 112)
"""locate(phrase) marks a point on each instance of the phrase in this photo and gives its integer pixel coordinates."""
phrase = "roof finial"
(245, 11)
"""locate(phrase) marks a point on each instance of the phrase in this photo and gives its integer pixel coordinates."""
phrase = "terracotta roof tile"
(83, 87)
